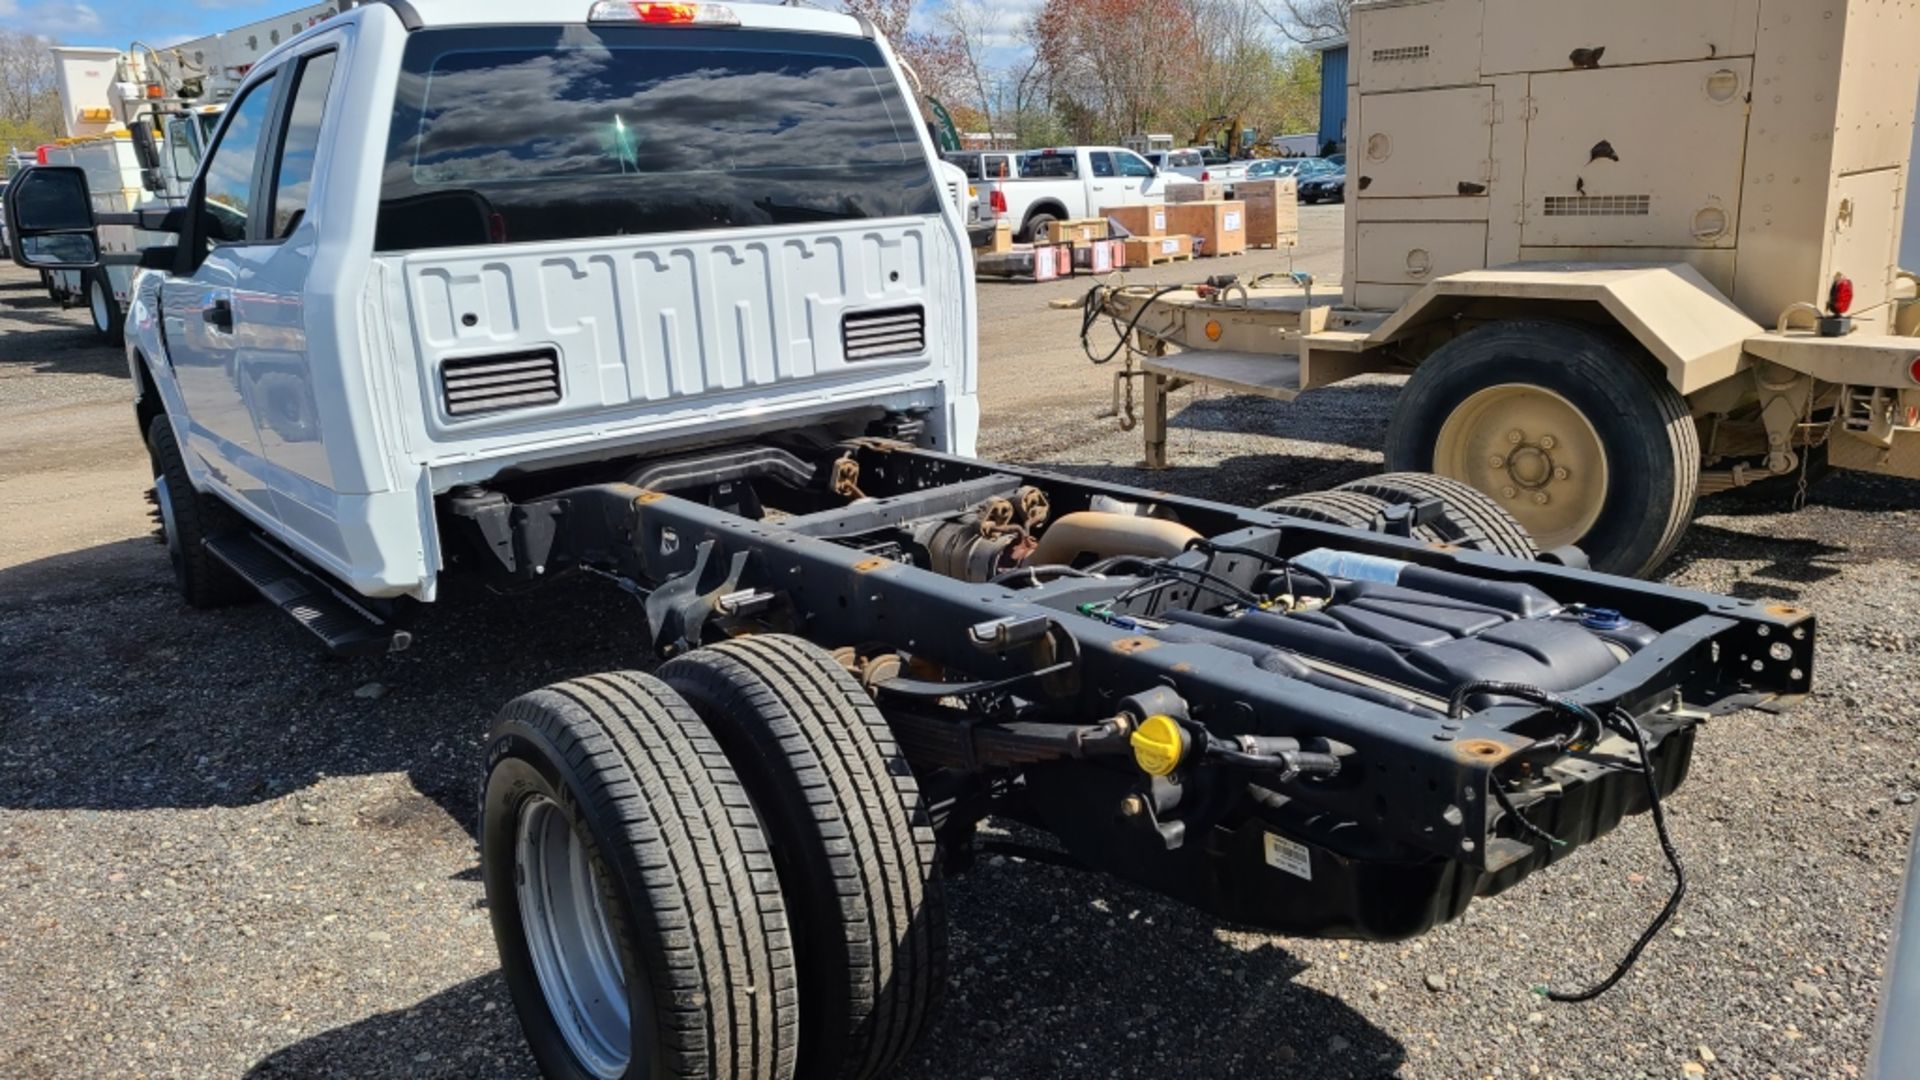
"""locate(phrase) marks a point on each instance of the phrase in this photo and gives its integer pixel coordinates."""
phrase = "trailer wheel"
(1478, 522)
(187, 519)
(1565, 427)
(851, 838)
(634, 902)
(109, 321)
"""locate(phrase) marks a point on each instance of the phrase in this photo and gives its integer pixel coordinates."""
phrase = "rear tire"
(187, 519)
(1038, 224)
(1565, 425)
(1476, 521)
(1352, 509)
(109, 321)
(851, 838)
(628, 879)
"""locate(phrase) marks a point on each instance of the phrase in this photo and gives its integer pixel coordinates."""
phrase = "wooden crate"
(1153, 250)
(1220, 226)
(1195, 191)
(1147, 219)
(1002, 239)
(1076, 231)
(1273, 214)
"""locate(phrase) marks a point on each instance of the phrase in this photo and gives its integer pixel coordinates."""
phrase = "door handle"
(219, 315)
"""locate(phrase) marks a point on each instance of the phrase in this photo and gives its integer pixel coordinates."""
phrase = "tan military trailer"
(1632, 252)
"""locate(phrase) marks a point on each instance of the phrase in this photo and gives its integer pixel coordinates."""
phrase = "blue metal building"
(1333, 90)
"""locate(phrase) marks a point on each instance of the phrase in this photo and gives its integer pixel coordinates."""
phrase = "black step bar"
(345, 627)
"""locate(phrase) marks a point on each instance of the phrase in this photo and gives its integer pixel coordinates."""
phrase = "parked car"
(1062, 182)
(1324, 187)
(1279, 168)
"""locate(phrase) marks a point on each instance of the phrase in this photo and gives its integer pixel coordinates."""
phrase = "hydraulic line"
(1090, 313)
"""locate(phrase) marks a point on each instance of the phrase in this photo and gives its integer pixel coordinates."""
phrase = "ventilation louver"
(873, 335)
(517, 380)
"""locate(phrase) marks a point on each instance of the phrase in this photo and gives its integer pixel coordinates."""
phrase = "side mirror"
(50, 219)
(147, 153)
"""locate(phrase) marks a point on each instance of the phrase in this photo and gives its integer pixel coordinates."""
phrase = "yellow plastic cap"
(1158, 745)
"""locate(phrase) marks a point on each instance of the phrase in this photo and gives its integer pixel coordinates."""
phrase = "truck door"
(1103, 182)
(1139, 182)
(271, 308)
(197, 310)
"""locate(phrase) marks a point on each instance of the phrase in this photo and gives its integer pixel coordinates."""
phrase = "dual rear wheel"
(724, 870)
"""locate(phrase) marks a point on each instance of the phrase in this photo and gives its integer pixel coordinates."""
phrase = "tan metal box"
(1764, 141)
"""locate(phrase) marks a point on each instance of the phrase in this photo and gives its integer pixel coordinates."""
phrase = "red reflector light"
(1204, 174)
(663, 13)
(666, 13)
(1840, 295)
(1913, 370)
(40, 155)
(998, 200)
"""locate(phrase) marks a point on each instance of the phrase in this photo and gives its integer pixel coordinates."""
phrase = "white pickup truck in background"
(1063, 182)
(1194, 163)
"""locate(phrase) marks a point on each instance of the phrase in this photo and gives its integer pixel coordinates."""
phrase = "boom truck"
(463, 289)
(1630, 252)
(137, 120)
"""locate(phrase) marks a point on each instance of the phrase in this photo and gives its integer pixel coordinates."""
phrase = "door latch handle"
(219, 315)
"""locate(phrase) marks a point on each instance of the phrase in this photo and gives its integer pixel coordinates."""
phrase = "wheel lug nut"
(1560, 472)
(1516, 435)
(1540, 498)
(1547, 442)
(1497, 461)
(1508, 491)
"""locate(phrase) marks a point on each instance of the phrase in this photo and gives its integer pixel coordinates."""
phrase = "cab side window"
(229, 203)
(1133, 165)
(293, 172)
(1102, 163)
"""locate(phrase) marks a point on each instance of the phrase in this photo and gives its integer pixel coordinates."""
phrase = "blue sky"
(117, 22)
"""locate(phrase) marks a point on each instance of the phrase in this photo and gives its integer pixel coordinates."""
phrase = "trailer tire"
(625, 870)
(1477, 521)
(109, 320)
(1612, 463)
(852, 840)
(187, 519)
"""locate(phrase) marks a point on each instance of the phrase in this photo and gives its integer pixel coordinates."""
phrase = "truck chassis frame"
(1005, 698)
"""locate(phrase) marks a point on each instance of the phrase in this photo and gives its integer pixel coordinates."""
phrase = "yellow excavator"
(1238, 141)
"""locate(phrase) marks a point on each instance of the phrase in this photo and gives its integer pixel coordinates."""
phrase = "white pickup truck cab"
(1064, 182)
(421, 255)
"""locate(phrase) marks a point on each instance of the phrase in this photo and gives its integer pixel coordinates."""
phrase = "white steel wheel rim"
(574, 956)
(97, 304)
(1535, 453)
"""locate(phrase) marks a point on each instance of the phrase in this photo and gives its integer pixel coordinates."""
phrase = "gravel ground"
(223, 855)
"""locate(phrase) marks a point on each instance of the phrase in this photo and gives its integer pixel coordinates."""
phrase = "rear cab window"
(528, 133)
(1049, 165)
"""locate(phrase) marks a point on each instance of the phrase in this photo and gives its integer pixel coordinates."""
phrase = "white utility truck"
(137, 120)
(677, 295)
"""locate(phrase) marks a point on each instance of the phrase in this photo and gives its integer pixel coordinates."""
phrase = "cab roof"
(418, 14)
